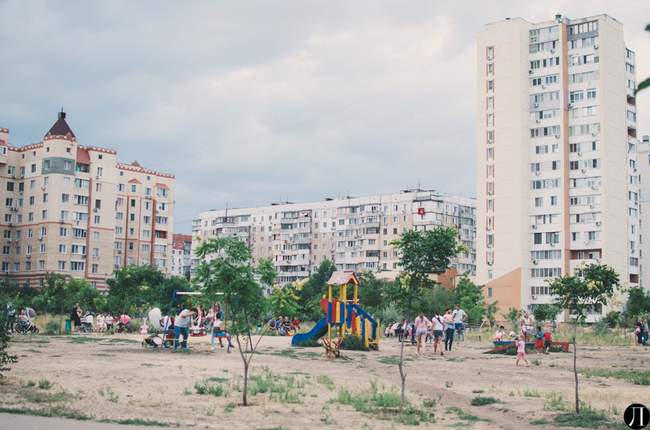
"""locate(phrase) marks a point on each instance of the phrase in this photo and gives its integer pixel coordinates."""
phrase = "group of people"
(284, 326)
(197, 318)
(101, 323)
(441, 328)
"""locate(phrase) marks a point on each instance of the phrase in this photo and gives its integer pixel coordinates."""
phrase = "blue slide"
(316, 332)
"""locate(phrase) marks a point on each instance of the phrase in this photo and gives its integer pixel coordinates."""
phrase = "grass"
(137, 422)
(283, 388)
(386, 405)
(531, 393)
(539, 422)
(44, 384)
(326, 381)
(587, 418)
(109, 394)
(482, 401)
(229, 408)
(33, 396)
(464, 416)
(555, 402)
(56, 411)
(392, 360)
(205, 387)
(637, 377)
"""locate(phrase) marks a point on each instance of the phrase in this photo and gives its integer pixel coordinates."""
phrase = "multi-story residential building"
(643, 167)
(354, 233)
(181, 255)
(75, 210)
(557, 184)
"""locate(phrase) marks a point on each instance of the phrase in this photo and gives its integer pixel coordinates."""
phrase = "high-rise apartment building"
(354, 233)
(181, 260)
(643, 167)
(557, 185)
(75, 210)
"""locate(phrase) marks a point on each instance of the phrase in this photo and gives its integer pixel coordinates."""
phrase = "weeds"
(531, 393)
(555, 402)
(205, 387)
(44, 384)
(482, 401)
(326, 381)
(464, 416)
(109, 394)
(229, 408)
(637, 377)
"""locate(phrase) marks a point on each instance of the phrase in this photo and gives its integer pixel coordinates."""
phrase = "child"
(539, 338)
(548, 341)
(499, 334)
(521, 351)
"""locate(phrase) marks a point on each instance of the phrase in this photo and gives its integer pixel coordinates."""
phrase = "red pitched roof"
(60, 127)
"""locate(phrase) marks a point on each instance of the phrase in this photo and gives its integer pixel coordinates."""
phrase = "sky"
(253, 102)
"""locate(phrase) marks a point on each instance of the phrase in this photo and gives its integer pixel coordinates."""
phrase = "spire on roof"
(60, 127)
(136, 164)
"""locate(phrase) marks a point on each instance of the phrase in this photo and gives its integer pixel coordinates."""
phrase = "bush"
(612, 319)
(482, 401)
(52, 327)
(353, 343)
(601, 328)
(134, 326)
(5, 357)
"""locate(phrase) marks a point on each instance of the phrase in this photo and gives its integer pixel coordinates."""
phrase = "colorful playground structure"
(343, 317)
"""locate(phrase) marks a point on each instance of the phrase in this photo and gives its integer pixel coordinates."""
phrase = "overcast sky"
(250, 102)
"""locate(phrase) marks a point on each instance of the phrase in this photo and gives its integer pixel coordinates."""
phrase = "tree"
(513, 315)
(546, 312)
(5, 357)
(136, 289)
(284, 301)
(471, 299)
(225, 272)
(422, 253)
(372, 291)
(61, 293)
(638, 302)
(314, 289)
(591, 286)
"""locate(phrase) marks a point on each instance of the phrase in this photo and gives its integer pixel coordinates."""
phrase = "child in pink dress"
(521, 351)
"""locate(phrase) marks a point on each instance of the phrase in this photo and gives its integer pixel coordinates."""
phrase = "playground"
(114, 378)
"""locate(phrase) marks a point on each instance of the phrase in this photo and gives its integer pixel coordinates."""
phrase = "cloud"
(252, 102)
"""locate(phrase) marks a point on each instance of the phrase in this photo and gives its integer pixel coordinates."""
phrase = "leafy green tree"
(591, 286)
(284, 301)
(422, 253)
(471, 299)
(135, 289)
(546, 312)
(225, 272)
(513, 315)
(61, 293)
(314, 289)
(638, 302)
(372, 291)
(5, 357)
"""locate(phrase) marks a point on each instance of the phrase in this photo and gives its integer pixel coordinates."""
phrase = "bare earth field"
(113, 378)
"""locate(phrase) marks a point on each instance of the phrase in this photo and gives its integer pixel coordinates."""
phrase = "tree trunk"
(246, 364)
(575, 368)
(402, 372)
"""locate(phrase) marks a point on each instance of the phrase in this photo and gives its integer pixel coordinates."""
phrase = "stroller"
(86, 324)
(25, 322)
(164, 339)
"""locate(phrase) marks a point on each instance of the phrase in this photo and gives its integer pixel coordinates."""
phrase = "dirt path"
(115, 378)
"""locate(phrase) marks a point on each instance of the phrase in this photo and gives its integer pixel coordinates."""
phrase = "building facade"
(643, 167)
(181, 255)
(354, 233)
(557, 181)
(75, 210)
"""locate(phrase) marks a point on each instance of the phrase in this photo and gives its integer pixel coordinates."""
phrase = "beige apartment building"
(181, 255)
(353, 232)
(557, 180)
(75, 210)
(643, 167)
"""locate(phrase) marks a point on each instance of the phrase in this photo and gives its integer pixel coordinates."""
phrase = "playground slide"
(316, 332)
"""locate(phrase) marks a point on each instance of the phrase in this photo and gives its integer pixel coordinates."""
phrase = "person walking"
(438, 327)
(521, 351)
(181, 327)
(644, 332)
(459, 318)
(75, 317)
(422, 324)
(449, 329)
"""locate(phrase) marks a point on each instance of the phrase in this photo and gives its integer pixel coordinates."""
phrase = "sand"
(114, 377)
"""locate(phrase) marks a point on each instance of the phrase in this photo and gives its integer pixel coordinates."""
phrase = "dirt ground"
(114, 377)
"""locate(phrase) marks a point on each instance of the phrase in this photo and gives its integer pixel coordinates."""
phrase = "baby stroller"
(25, 324)
(86, 324)
(164, 339)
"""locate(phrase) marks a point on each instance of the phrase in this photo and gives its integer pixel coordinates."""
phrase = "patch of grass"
(218, 379)
(29, 384)
(531, 393)
(109, 394)
(121, 340)
(205, 387)
(539, 422)
(478, 391)
(32, 396)
(587, 418)
(229, 408)
(326, 381)
(482, 401)
(282, 388)
(137, 422)
(392, 360)
(84, 339)
(536, 362)
(462, 415)
(56, 411)
(555, 402)
(637, 377)
(44, 384)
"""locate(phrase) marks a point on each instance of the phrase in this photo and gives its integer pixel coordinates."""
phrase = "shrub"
(482, 401)
(52, 327)
(5, 357)
(134, 326)
(353, 343)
